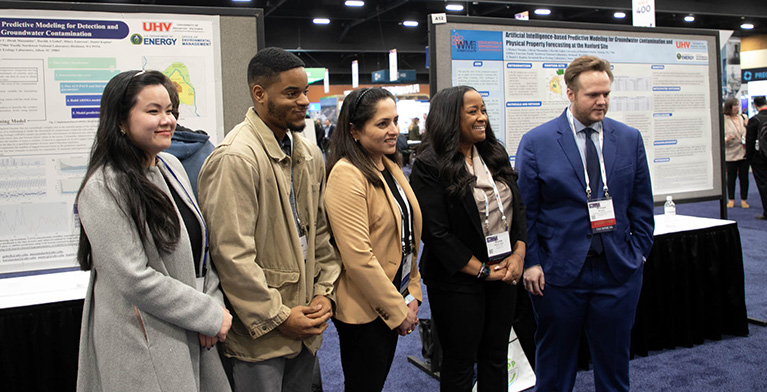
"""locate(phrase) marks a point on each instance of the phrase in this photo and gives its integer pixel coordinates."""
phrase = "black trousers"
(367, 351)
(474, 328)
(737, 170)
(759, 168)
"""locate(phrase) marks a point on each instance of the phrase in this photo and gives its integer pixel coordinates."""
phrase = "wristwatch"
(484, 272)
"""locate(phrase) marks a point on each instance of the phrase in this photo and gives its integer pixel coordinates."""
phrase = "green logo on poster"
(136, 39)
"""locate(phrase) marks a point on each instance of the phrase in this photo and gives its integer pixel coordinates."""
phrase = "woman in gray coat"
(153, 312)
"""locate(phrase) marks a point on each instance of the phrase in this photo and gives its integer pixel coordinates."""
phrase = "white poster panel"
(661, 87)
(54, 66)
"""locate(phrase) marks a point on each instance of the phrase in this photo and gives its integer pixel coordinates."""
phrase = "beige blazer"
(365, 222)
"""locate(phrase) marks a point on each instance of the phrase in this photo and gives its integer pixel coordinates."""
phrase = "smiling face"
(283, 105)
(150, 122)
(379, 134)
(473, 118)
(590, 101)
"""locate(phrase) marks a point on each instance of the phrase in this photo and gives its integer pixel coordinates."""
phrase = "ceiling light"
(542, 11)
(241, 1)
(689, 18)
(354, 3)
(454, 7)
(321, 21)
(410, 23)
(747, 26)
(619, 15)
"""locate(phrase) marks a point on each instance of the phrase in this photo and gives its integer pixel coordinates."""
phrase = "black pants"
(737, 170)
(759, 168)
(474, 328)
(367, 351)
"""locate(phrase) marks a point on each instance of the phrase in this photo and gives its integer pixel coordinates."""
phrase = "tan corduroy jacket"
(244, 193)
(366, 226)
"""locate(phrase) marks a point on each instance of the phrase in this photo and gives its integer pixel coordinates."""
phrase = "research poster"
(661, 87)
(54, 66)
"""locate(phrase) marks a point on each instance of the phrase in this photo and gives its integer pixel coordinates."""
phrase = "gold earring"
(122, 131)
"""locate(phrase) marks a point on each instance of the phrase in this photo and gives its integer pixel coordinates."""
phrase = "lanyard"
(737, 128)
(292, 196)
(197, 210)
(497, 201)
(409, 240)
(602, 171)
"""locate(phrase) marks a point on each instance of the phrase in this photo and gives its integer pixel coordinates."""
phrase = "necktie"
(595, 181)
(592, 163)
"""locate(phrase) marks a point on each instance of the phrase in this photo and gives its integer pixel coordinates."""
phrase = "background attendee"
(469, 198)
(144, 240)
(414, 131)
(585, 273)
(376, 223)
(327, 130)
(191, 148)
(735, 151)
(757, 158)
(261, 191)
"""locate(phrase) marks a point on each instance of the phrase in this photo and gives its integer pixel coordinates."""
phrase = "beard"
(283, 113)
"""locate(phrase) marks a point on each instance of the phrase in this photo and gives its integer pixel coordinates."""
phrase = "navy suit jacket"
(553, 188)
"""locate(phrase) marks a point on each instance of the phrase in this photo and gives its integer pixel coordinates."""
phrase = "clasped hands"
(509, 270)
(226, 323)
(307, 321)
(411, 320)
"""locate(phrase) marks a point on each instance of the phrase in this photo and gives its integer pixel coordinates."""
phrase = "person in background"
(319, 134)
(414, 132)
(474, 239)
(262, 192)
(376, 223)
(328, 129)
(191, 148)
(757, 157)
(153, 301)
(586, 184)
(735, 152)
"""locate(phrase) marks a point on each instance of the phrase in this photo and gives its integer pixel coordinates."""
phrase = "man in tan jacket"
(261, 192)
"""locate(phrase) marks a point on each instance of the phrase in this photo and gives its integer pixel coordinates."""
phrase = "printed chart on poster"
(54, 66)
(665, 85)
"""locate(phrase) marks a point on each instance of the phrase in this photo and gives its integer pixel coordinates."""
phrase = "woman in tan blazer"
(376, 223)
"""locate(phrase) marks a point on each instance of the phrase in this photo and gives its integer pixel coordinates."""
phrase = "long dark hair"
(138, 198)
(443, 132)
(358, 107)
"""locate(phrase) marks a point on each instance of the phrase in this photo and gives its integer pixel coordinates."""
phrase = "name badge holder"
(498, 244)
(601, 211)
(407, 244)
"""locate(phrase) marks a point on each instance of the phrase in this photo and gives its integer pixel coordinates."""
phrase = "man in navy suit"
(586, 185)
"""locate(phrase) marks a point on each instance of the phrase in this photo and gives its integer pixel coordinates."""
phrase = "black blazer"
(452, 230)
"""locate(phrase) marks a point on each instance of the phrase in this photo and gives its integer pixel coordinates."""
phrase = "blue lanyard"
(197, 210)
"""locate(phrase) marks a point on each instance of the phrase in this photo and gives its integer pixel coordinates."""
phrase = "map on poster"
(54, 66)
(661, 87)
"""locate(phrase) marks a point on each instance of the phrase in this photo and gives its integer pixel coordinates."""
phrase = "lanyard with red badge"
(601, 211)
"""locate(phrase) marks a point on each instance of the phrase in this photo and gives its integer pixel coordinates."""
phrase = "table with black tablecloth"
(693, 285)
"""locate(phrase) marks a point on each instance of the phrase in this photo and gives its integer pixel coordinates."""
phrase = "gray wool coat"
(142, 312)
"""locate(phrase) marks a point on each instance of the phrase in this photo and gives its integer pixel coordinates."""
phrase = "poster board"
(55, 60)
(666, 85)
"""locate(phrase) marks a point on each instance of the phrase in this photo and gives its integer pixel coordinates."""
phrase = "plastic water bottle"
(669, 209)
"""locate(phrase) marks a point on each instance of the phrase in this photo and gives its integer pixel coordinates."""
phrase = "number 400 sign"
(643, 12)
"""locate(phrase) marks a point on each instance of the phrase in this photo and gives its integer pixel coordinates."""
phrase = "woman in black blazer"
(468, 196)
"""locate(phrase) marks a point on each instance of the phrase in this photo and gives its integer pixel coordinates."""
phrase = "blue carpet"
(729, 365)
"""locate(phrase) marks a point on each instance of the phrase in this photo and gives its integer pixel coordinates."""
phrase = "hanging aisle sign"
(643, 13)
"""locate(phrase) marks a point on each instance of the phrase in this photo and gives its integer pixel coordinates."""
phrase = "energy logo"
(136, 39)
